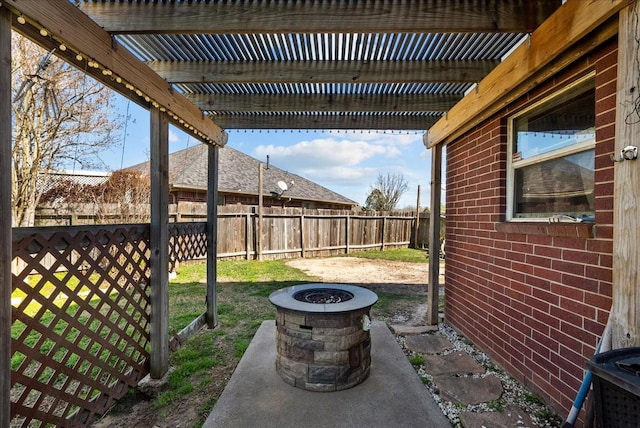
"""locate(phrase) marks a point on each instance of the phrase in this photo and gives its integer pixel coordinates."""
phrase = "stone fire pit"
(323, 341)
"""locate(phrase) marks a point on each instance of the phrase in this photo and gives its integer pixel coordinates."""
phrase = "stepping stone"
(405, 330)
(469, 390)
(456, 363)
(428, 344)
(511, 417)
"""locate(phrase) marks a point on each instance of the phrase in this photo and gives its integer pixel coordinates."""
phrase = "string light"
(107, 72)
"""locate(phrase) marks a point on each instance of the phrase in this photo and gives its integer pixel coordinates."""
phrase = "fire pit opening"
(323, 295)
(323, 341)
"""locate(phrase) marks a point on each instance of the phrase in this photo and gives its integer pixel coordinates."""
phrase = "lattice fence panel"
(187, 241)
(80, 325)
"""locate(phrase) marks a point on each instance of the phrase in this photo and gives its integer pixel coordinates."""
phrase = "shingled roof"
(238, 173)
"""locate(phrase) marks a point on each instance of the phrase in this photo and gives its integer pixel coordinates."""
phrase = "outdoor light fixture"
(627, 153)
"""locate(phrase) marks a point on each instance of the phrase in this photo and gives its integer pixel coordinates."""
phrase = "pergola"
(210, 66)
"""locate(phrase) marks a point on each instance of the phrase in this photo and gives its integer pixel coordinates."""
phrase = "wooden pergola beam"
(116, 67)
(324, 103)
(230, 72)
(311, 121)
(515, 75)
(361, 16)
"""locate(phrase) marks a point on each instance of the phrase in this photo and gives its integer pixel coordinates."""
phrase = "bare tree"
(61, 118)
(386, 192)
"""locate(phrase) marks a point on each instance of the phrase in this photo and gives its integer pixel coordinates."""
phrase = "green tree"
(61, 119)
(386, 192)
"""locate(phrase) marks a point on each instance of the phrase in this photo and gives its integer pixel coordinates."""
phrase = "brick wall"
(534, 296)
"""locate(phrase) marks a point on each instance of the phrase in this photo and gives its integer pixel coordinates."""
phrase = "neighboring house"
(238, 182)
(529, 233)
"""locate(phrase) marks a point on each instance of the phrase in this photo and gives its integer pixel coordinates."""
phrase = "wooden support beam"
(625, 314)
(529, 64)
(432, 16)
(324, 103)
(65, 23)
(326, 121)
(260, 203)
(159, 243)
(236, 72)
(212, 236)
(433, 287)
(5, 217)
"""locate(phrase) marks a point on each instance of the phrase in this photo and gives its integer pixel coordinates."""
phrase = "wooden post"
(212, 236)
(625, 315)
(259, 225)
(347, 232)
(417, 224)
(159, 243)
(5, 217)
(247, 228)
(384, 218)
(433, 297)
(302, 243)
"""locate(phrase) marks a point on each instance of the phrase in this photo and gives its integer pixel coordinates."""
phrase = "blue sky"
(346, 162)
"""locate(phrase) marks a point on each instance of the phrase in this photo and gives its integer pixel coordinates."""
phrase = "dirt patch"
(358, 271)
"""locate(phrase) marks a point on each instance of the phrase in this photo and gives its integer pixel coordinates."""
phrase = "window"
(551, 157)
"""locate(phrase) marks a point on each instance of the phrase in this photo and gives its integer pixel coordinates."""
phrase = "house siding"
(534, 296)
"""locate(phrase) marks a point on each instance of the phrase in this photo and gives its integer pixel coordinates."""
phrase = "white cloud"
(320, 153)
(173, 136)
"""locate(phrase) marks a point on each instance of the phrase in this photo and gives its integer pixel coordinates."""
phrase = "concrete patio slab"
(392, 396)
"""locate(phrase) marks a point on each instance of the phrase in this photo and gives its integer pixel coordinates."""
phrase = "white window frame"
(562, 152)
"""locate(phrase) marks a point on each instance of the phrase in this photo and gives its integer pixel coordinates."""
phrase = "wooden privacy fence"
(285, 232)
(296, 232)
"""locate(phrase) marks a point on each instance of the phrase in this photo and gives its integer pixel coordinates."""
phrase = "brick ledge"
(571, 230)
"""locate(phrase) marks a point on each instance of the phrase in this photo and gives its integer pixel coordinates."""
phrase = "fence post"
(5, 217)
(302, 243)
(247, 242)
(159, 243)
(347, 233)
(259, 225)
(384, 218)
